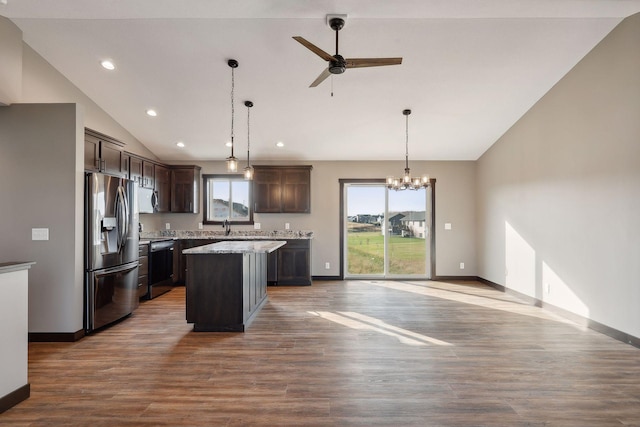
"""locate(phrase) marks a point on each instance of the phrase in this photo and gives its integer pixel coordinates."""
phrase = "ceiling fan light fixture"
(406, 182)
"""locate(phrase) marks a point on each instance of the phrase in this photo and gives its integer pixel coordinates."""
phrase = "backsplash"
(235, 234)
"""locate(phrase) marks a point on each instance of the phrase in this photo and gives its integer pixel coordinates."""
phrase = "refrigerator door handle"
(121, 217)
(120, 268)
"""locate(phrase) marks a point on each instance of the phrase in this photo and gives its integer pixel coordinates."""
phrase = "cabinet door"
(294, 263)
(296, 190)
(91, 153)
(111, 158)
(185, 189)
(163, 187)
(135, 169)
(148, 174)
(266, 191)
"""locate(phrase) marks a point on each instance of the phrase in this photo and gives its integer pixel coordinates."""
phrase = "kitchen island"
(226, 284)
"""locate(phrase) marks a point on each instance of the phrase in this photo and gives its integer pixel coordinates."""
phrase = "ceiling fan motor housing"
(338, 65)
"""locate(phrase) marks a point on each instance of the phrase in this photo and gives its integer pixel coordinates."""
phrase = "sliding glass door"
(386, 232)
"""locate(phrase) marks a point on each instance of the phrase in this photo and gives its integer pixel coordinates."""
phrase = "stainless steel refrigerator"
(111, 249)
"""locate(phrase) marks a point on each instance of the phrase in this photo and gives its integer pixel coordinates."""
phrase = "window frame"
(206, 178)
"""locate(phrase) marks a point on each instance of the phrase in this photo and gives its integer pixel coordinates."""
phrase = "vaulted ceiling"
(470, 70)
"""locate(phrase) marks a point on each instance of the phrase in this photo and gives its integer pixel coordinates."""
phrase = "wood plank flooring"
(352, 353)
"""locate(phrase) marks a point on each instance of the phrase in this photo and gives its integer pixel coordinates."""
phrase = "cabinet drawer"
(143, 265)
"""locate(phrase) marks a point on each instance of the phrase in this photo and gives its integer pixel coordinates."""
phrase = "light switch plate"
(447, 226)
(286, 226)
(39, 234)
(167, 226)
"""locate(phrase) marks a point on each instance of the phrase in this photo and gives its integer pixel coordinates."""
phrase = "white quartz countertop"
(236, 247)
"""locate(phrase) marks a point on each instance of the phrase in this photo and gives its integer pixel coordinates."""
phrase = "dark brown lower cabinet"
(294, 263)
(224, 292)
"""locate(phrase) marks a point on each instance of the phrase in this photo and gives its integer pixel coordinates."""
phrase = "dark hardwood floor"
(363, 353)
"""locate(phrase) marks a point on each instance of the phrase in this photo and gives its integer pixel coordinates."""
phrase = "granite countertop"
(234, 235)
(236, 247)
(7, 267)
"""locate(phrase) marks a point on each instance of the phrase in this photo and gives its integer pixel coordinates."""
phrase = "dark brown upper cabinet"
(282, 189)
(185, 189)
(104, 154)
(163, 187)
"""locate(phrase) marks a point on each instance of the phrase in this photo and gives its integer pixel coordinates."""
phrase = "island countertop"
(236, 247)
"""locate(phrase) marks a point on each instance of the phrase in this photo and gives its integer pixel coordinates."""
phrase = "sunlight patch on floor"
(454, 293)
(363, 322)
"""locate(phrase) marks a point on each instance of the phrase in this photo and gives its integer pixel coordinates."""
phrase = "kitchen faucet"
(227, 227)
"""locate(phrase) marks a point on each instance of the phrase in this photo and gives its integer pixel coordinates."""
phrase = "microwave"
(147, 200)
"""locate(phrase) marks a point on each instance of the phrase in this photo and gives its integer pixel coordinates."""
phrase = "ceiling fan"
(338, 64)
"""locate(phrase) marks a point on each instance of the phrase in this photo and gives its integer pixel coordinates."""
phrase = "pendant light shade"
(232, 161)
(406, 182)
(248, 171)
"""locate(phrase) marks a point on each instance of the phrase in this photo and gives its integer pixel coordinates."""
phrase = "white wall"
(42, 186)
(558, 196)
(455, 203)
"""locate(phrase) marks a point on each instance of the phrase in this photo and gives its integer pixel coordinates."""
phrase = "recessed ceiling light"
(108, 65)
(227, 144)
(279, 144)
(151, 113)
(180, 144)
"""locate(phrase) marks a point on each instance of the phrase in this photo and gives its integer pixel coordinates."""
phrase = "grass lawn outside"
(365, 253)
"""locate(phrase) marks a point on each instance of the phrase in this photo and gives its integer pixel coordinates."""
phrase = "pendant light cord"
(248, 129)
(406, 156)
(232, 107)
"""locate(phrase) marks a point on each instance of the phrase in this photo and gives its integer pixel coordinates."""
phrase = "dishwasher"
(160, 267)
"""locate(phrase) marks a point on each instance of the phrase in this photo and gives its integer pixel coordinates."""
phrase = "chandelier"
(232, 161)
(248, 171)
(406, 182)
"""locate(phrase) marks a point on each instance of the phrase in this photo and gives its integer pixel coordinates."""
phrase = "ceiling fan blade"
(326, 73)
(371, 62)
(313, 48)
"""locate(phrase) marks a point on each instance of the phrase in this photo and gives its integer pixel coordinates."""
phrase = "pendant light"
(232, 161)
(406, 182)
(248, 171)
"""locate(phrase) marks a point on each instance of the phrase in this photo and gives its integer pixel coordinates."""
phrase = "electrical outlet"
(286, 226)
(167, 226)
(447, 226)
(327, 265)
(199, 226)
(256, 226)
(462, 266)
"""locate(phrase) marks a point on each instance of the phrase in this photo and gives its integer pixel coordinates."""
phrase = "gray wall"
(558, 196)
(455, 203)
(42, 83)
(11, 69)
(42, 186)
